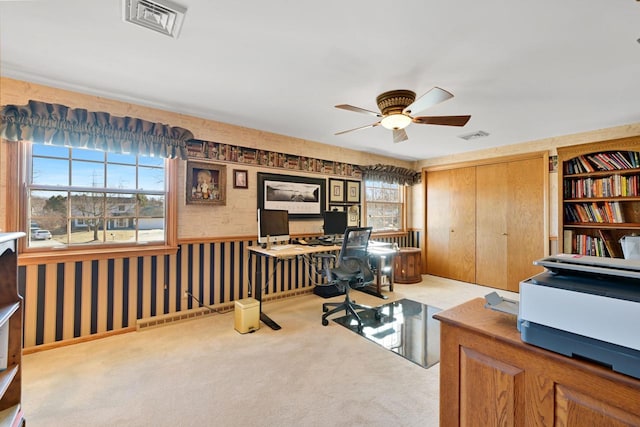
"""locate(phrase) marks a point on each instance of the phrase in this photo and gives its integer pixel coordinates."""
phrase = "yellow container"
(247, 315)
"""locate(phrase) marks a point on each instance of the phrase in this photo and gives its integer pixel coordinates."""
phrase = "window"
(87, 197)
(384, 205)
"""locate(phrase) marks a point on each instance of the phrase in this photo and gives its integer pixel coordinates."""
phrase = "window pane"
(151, 230)
(150, 179)
(121, 205)
(120, 176)
(121, 158)
(88, 206)
(48, 203)
(151, 161)
(87, 174)
(50, 172)
(49, 150)
(151, 206)
(80, 154)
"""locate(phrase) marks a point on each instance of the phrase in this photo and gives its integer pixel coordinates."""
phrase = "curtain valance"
(60, 125)
(391, 174)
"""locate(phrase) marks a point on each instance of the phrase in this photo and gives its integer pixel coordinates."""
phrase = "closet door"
(491, 233)
(462, 232)
(437, 198)
(451, 223)
(526, 215)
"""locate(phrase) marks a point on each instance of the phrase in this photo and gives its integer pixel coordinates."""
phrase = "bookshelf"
(10, 333)
(599, 190)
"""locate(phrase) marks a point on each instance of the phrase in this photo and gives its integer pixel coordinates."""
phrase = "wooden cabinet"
(408, 266)
(451, 226)
(599, 196)
(502, 203)
(11, 319)
(489, 377)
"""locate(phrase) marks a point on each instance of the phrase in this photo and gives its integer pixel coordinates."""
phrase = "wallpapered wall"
(82, 298)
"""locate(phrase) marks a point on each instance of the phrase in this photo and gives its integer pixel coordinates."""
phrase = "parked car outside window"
(41, 235)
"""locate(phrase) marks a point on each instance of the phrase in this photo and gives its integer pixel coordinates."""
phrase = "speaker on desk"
(247, 315)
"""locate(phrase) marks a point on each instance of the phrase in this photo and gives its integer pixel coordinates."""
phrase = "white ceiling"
(523, 70)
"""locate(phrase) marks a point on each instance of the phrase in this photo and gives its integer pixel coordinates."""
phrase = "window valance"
(60, 125)
(391, 174)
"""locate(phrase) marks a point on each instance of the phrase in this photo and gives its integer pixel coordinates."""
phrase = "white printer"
(586, 307)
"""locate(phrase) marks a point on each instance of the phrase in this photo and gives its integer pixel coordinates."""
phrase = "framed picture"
(240, 178)
(336, 191)
(339, 208)
(353, 191)
(302, 197)
(206, 183)
(353, 216)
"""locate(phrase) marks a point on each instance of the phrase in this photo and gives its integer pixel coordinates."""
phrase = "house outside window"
(384, 204)
(92, 198)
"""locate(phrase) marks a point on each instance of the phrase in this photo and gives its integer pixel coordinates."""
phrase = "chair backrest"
(356, 240)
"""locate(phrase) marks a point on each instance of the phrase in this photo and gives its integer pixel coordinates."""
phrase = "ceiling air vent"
(474, 135)
(162, 16)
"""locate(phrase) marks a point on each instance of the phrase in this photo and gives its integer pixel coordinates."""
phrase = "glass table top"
(404, 327)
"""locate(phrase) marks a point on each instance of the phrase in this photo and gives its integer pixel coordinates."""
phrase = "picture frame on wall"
(302, 197)
(336, 191)
(353, 192)
(240, 178)
(353, 216)
(206, 183)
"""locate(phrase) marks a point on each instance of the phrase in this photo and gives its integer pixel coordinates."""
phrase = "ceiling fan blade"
(357, 109)
(399, 135)
(360, 128)
(429, 99)
(442, 120)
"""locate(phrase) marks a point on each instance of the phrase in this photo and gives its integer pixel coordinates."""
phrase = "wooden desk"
(258, 251)
(489, 377)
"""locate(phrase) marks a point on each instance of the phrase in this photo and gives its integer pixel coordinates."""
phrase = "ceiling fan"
(396, 109)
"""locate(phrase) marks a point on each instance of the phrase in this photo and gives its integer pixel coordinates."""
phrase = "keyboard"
(282, 247)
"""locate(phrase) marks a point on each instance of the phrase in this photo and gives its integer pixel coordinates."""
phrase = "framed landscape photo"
(240, 178)
(301, 196)
(353, 191)
(336, 191)
(206, 183)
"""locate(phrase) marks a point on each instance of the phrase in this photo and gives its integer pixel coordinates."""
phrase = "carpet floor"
(203, 373)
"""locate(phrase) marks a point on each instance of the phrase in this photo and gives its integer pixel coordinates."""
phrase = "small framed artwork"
(353, 191)
(353, 216)
(206, 183)
(336, 191)
(240, 178)
(336, 208)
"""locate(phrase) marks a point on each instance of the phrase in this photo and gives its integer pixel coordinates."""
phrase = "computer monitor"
(335, 222)
(273, 225)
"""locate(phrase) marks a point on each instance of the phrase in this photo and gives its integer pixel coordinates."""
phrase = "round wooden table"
(408, 266)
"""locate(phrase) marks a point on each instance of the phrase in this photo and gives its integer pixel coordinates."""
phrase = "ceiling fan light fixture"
(396, 121)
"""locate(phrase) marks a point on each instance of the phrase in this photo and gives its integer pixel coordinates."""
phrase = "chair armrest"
(324, 256)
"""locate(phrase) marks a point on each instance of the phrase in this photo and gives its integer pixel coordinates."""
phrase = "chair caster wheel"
(325, 322)
(325, 309)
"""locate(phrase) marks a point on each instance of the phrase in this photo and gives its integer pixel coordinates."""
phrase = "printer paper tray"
(620, 359)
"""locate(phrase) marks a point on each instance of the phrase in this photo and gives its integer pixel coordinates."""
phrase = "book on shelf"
(613, 247)
(568, 239)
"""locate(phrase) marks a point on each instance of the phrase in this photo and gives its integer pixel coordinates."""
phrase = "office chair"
(351, 271)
